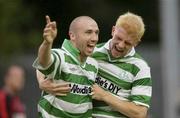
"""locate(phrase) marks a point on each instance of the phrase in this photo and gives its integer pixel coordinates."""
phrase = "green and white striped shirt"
(66, 67)
(126, 78)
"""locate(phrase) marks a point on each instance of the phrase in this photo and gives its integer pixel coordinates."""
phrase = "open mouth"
(91, 45)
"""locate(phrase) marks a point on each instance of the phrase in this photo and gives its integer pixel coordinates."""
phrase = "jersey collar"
(73, 51)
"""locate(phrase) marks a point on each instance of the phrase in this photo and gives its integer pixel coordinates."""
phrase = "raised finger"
(53, 24)
(48, 20)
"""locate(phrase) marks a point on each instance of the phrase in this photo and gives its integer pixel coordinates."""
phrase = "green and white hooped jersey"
(66, 67)
(126, 78)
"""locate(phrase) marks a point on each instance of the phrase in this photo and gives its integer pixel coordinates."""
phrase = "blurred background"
(22, 23)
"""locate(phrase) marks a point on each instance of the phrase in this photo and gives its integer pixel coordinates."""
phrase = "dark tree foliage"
(22, 21)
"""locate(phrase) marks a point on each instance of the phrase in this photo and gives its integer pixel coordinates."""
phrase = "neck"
(82, 59)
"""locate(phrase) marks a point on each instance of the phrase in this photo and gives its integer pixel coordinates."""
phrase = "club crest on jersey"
(107, 85)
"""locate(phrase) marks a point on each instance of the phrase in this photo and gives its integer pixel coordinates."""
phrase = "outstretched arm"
(49, 34)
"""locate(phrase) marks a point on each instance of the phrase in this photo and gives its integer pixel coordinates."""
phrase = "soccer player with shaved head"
(69, 66)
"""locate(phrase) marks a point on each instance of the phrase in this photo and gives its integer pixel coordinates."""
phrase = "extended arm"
(49, 34)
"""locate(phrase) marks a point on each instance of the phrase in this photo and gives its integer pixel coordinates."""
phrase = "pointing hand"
(50, 31)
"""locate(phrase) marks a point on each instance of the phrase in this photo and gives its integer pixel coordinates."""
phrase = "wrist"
(45, 42)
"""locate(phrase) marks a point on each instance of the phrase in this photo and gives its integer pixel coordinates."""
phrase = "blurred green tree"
(18, 31)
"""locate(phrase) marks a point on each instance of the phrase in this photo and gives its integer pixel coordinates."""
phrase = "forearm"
(127, 108)
(44, 54)
(40, 77)
(41, 81)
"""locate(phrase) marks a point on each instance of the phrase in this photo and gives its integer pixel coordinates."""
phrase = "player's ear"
(113, 29)
(71, 35)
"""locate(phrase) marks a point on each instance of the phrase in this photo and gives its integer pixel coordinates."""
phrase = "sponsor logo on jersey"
(80, 89)
(107, 85)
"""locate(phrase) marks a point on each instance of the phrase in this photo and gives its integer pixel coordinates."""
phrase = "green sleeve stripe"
(58, 113)
(143, 82)
(140, 98)
(57, 74)
(51, 68)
